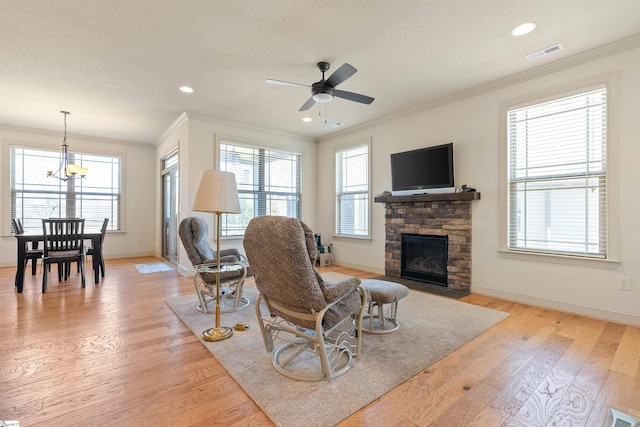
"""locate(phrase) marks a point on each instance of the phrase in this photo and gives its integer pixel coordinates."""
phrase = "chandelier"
(67, 170)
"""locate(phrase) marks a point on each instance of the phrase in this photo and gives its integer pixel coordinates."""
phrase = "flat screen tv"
(423, 171)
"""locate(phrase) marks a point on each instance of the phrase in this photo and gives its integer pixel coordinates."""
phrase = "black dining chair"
(63, 244)
(33, 254)
(90, 250)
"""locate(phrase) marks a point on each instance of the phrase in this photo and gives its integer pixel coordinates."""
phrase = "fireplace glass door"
(424, 258)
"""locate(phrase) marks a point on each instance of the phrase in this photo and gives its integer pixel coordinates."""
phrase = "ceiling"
(117, 65)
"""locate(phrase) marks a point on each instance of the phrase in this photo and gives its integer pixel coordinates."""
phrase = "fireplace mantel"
(436, 215)
(466, 195)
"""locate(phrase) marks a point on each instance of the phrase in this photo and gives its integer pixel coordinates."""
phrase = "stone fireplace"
(437, 215)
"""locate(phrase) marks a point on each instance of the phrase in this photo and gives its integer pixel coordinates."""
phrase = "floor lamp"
(217, 193)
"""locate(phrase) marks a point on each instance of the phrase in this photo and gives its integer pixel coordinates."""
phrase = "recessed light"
(307, 119)
(186, 89)
(523, 29)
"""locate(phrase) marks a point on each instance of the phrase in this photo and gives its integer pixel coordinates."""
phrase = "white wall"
(473, 125)
(197, 138)
(138, 236)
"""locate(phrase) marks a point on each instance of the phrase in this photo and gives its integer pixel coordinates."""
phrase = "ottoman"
(380, 293)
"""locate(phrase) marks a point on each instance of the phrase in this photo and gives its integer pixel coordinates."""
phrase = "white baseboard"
(595, 312)
(184, 270)
(132, 255)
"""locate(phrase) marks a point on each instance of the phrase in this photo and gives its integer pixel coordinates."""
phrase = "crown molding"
(182, 118)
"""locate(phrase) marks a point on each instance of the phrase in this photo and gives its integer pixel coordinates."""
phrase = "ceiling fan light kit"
(323, 96)
(324, 90)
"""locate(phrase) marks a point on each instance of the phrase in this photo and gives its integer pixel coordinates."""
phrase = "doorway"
(170, 208)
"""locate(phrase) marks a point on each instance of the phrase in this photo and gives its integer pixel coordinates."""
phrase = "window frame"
(610, 81)
(241, 142)
(341, 148)
(7, 147)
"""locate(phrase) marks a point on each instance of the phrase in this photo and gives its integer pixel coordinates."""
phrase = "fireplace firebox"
(424, 258)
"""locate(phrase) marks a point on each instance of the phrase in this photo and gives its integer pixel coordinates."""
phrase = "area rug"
(154, 267)
(432, 328)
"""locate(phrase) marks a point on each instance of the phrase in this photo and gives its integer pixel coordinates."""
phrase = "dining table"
(35, 237)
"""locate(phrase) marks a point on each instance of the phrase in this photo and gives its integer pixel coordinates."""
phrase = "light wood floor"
(115, 355)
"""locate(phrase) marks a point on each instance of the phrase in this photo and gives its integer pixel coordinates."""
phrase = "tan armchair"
(193, 233)
(317, 324)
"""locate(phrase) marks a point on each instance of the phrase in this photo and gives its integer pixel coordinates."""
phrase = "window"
(268, 183)
(352, 191)
(35, 196)
(557, 175)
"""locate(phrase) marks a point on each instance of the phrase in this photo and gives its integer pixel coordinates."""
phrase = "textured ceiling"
(117, 65)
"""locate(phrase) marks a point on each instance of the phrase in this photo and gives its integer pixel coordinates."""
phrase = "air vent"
(336, 125)
(545, 51)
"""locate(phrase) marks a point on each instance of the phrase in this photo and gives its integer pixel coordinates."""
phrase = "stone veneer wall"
(436, 217)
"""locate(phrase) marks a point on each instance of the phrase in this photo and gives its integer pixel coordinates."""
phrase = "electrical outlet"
(624, 283)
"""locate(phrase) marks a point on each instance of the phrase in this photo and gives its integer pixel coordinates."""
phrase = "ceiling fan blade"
(364, 99)
(282, 83)
(307, 104)
(341, 74)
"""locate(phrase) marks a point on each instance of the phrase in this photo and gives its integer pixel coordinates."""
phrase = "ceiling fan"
(325, 90)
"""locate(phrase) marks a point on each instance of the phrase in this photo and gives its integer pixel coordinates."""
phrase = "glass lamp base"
(217, 334)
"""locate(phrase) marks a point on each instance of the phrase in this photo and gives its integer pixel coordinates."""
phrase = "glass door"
(170, 208)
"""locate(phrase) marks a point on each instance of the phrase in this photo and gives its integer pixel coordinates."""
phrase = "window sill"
(605, 264)
(349, 237)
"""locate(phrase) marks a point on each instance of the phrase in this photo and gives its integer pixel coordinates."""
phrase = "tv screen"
(427, 170)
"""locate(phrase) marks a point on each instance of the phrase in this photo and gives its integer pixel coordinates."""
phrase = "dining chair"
(33, 254)
(63, 244)
(90, 250)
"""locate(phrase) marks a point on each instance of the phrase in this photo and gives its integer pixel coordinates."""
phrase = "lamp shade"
(217, 193)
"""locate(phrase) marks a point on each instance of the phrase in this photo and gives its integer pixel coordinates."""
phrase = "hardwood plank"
(529, 377)
(388, 410)
(490, 416)
(627, 358)
(463, 411)
(502, 375)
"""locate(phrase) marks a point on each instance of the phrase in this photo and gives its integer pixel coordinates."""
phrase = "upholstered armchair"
(317, 324)
(193, 233)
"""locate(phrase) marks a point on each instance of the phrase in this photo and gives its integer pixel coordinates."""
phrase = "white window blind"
(352, 191)
(268, 183)
(35, 196)
(557, 175)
